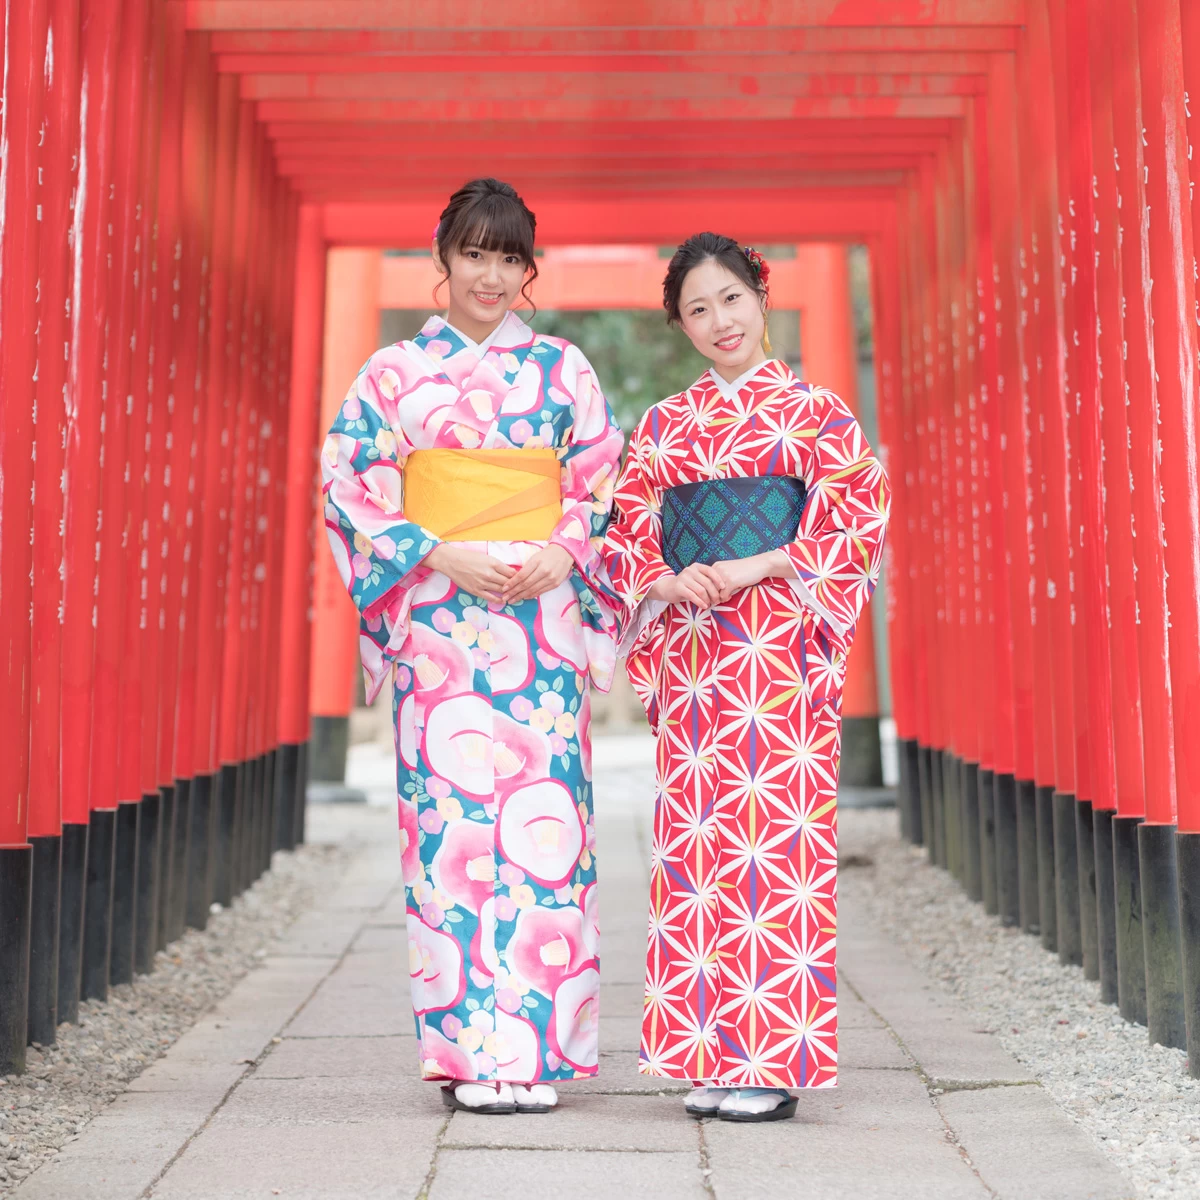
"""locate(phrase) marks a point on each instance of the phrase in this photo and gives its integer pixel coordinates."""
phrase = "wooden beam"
(551, 42)
(851, 62)
(760, 217)
(569, 283)
(450, 112)
(548, 90)
(213, 15)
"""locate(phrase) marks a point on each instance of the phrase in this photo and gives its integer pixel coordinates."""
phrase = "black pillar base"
(245, 804)
(1131, 950)
(285, 797)
(97, 909)
(302, 795)
(330, 744)
(181, 840)
(226, 802)
(903, 787)
(1162, 933)
(1066, 880)
(938, 788)
(1008, 889)
(241, 793)
(258, 780)
(199, 873)
(925, 783)
(70, 919)
(16, 898)
(952, 794)
(124, 919)
(862, 760)
(166, 863)
(972, 862)
(149, 856)
(1106, 904)
(985, 803)
(910, 775)
(270, 804)
(1187, 851)
(1029, 899)
(1047, 897)
(43, 940)
(1085, 849)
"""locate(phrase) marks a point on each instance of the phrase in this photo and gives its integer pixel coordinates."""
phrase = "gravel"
(67, 1084)
(1135, 1099)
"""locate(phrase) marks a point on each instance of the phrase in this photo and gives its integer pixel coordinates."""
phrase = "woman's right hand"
(698, 584)
(473, 571)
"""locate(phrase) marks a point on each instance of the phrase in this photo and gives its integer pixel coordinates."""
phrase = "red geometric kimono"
(745, 700)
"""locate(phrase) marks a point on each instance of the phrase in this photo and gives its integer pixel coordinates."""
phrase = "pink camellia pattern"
(745, 700)
(491, 702)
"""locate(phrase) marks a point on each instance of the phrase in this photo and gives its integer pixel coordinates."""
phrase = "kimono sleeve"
(838, 550)
(378, 553)
(589, 472)
(633, 547)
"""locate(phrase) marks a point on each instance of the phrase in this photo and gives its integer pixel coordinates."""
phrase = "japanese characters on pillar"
(59, 163)
(115, 525)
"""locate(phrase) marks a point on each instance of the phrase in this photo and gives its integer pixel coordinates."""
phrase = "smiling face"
(723, 317)
(483, 285)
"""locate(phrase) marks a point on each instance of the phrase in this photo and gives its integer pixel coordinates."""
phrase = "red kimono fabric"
(745, 701)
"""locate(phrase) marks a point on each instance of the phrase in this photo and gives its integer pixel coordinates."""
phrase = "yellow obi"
(484, 495)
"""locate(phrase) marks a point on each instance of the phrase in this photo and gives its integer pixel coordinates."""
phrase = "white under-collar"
(730, 390)
(479, 349)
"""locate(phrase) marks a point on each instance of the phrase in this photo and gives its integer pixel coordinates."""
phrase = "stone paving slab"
(830, 1162)
(589, 1122)
(927, 1021)
(1024, 1145)
(121, 1152)
(619, 1075)
(341, 1058)
(328, 1100)
(381, 1160)
(577, 1174)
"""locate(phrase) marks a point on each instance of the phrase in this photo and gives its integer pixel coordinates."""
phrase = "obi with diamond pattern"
(714, 520)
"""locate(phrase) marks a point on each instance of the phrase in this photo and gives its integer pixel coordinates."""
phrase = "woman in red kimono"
(747, 533)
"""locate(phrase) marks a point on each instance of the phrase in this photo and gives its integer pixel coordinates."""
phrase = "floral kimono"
(490, 701)
(745, 700)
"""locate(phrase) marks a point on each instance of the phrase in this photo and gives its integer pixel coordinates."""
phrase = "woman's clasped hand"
(706, 585)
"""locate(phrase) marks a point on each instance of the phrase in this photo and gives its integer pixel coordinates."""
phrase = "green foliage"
(639, 360)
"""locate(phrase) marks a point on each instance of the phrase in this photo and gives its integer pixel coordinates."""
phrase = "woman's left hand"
(739, 573)
(543, 572)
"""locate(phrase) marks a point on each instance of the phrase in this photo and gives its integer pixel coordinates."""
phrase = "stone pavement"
(302, 1082)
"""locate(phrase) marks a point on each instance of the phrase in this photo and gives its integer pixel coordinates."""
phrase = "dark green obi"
(718, 519)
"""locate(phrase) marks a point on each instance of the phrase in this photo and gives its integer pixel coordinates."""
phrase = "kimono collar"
(511, 331)
(731, 390)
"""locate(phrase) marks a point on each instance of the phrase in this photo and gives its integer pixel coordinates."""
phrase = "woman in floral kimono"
(467, 482)
(746, 538)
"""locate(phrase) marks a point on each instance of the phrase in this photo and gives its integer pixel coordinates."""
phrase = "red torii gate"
(191, 161)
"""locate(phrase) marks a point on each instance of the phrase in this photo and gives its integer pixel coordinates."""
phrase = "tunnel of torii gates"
(174, 172)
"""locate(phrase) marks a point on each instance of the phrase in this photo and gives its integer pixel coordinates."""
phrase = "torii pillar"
(351, 337)
(829, 353)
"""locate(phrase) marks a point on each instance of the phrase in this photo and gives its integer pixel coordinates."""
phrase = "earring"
(766, 340)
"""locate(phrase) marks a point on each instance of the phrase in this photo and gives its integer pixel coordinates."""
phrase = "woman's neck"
(732, 374)
(477, 331)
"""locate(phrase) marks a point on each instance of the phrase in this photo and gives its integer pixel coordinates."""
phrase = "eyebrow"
(733, 287)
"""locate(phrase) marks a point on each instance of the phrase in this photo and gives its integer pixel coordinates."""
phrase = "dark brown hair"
(488, 214)
(699, 248)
